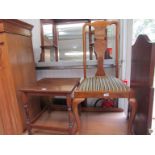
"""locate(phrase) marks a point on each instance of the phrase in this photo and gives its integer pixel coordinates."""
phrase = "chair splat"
(100, 39)
(100, 48)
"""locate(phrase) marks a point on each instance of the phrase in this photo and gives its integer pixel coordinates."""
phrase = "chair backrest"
(100, 44)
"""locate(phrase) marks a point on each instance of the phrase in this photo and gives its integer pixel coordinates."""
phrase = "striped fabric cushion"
(103, 83)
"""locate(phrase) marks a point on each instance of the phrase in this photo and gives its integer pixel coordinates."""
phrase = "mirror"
(62, 41)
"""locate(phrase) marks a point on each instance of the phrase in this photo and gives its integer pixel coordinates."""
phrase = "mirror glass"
(110, 52)
(48, 41)
(48, 34)
(70, 46)
(70, 41)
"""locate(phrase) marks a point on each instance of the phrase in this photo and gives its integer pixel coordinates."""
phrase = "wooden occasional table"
(50, 87)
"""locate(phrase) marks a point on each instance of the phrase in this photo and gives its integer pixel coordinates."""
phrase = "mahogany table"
(50, 87)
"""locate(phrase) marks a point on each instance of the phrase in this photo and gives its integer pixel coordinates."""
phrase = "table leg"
(26, 108)
(70, 114)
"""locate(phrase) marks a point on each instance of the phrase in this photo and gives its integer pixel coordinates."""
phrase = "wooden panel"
(15, 27)
(10, 114)
(142, 56)
(9, 109)
(23, 68)
(142, 73)
(17, 69)
(143, 118)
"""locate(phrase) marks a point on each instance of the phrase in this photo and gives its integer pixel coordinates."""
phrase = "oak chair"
(103, 85)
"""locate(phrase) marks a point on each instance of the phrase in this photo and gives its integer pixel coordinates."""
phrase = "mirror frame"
(55, 45)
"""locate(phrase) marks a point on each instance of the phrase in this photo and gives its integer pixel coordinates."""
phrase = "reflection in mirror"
(48, 42)
(48, 34)
(63, 41)
(110, 52)
(70, 41)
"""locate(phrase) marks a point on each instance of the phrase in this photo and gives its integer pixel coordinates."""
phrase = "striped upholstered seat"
(102, 85)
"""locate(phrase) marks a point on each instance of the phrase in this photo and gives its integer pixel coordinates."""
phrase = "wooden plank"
(39, 126)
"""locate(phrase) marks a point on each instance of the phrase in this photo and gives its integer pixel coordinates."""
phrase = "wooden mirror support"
(53, 44)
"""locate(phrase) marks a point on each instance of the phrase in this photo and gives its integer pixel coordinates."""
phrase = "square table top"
(52, 85)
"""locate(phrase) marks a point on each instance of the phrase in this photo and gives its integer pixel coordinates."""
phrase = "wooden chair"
(102, 85)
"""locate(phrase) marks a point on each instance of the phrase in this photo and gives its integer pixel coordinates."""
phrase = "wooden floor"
(92, 123)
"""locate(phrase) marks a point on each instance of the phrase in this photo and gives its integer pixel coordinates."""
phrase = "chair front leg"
(76, 102)
(133, 109)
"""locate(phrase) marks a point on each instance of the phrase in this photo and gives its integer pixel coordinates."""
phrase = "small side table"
(50, 87)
